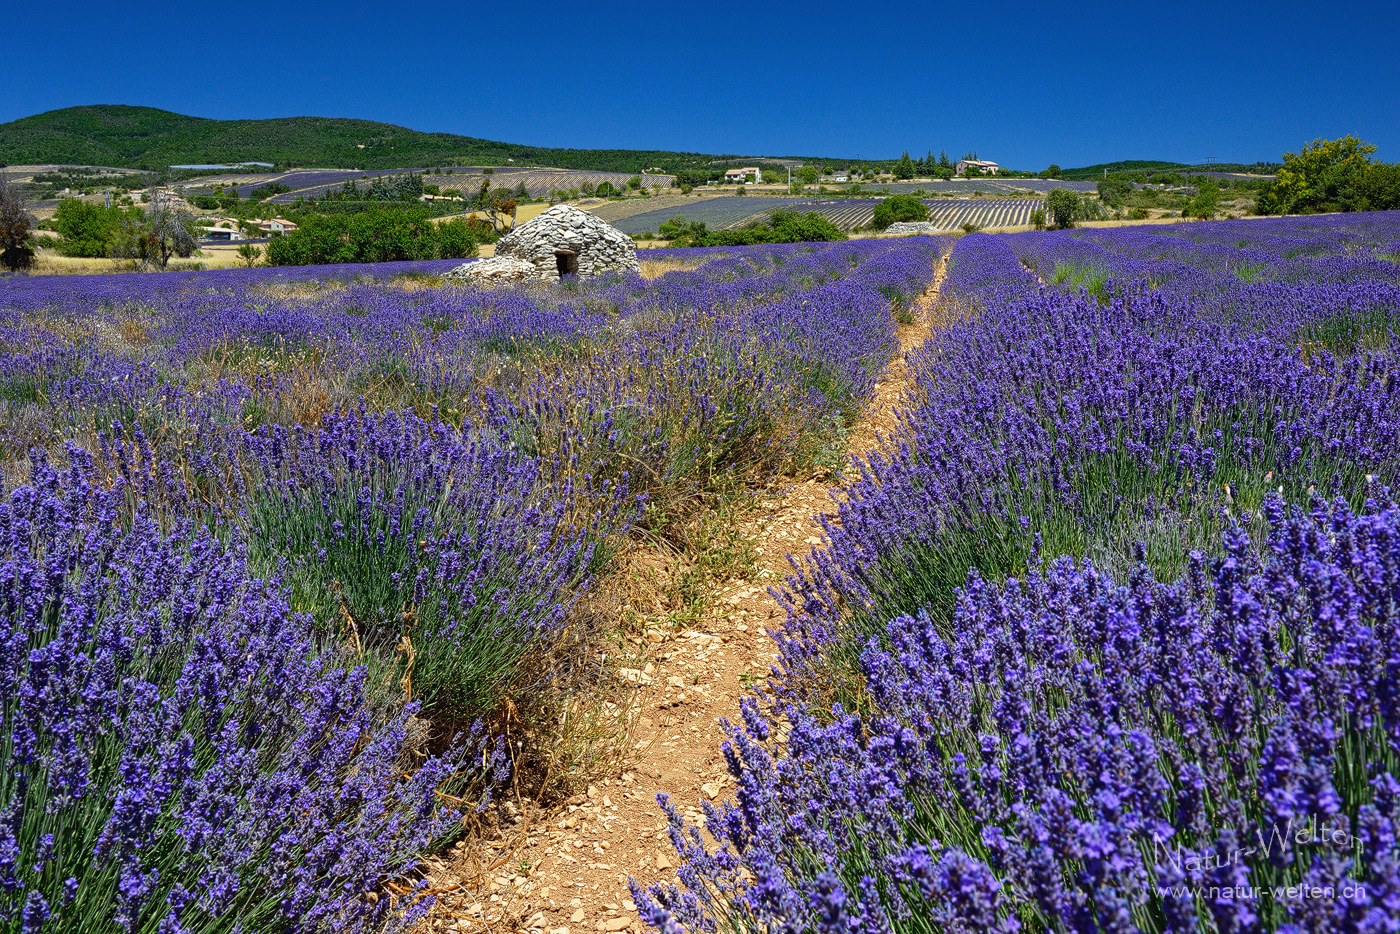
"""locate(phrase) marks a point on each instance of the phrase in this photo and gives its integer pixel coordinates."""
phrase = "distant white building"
(982, 165)
(276, 226)
(743, 176)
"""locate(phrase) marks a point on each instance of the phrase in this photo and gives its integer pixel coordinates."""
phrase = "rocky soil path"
(565, 871)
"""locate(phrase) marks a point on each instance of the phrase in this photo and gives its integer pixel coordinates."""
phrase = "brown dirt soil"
(564, 870)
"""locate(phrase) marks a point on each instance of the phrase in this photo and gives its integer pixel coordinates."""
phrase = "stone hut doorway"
(566, 262)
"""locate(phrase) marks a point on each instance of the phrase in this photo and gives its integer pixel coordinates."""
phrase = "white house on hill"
(985, 167)
(744, 175)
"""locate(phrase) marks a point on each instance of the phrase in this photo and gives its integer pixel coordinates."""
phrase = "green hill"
(1090, 172)
(144, 137)
(1135, 165)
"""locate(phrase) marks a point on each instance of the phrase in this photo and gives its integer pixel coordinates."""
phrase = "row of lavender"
(1191, 721)
(298, 503)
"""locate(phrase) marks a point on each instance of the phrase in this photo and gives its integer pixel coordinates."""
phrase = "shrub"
(1065, 207)
(1038, 219)
(399, 528)
(899, 208)
(673, 228)
(1113, 191)
(266, 191)
(783, 226)
(456, 239)
(372, 236)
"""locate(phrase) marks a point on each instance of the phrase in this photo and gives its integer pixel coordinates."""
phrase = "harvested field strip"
(717, 213)
(615, 211)
(540, 182)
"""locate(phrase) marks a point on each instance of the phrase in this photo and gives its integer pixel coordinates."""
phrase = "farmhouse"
(276, 226)
(744, 175)
(982, 165)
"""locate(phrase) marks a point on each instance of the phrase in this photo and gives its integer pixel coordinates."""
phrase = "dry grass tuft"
(655, 268)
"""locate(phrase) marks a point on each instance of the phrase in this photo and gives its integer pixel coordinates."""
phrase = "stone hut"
(562, 241)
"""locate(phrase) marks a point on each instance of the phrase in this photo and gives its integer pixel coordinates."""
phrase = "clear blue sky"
(1024, 84)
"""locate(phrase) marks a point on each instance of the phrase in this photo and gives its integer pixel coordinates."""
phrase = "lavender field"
(280, 547)
(1106, 639)
(305, 569)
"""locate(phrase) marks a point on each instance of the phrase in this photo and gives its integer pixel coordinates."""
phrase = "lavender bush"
(1218, 753)
(448, 554)
(1094, 423)
(178, 755)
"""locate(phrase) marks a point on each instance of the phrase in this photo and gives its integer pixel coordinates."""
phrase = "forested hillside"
(144, 137)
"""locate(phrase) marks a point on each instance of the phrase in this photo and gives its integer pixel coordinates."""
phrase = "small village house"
(982, 165)
(745, 176)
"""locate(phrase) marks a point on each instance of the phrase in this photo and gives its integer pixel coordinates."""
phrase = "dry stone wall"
(494, 270)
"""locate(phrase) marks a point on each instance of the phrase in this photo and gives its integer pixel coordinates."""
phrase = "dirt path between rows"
(567, 873)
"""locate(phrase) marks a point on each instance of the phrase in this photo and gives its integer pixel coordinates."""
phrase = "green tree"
(249, 254)
(456, 239)
(809, 174)
(1113, 191)
(1064, 206)
(373, 236)
(87, 229)
(904, 168)
(899, 208)
(943, 159)
(1052, 172)
(1038, 219)
(1322, 176)
(635, 182)
(1379, 188)
(152, 238)
(1207, 200)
